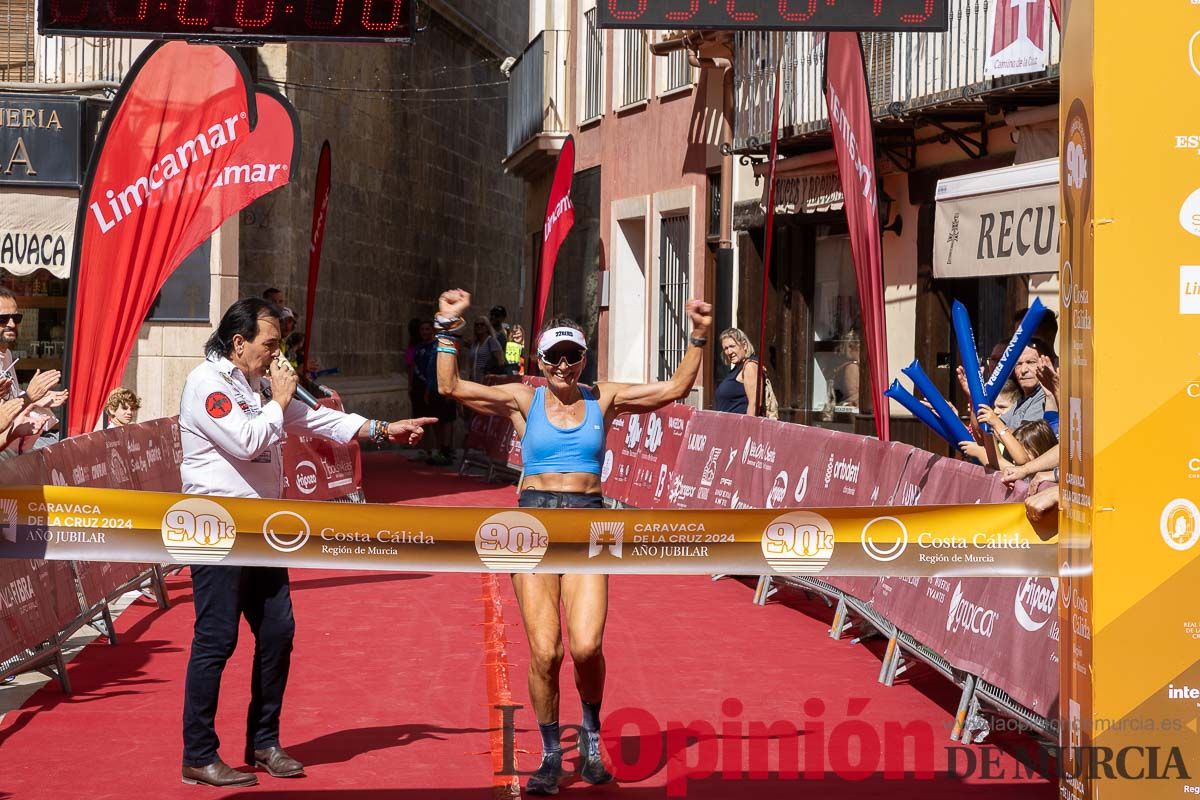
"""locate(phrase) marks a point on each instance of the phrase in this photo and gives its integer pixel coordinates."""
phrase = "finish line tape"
(80, 524)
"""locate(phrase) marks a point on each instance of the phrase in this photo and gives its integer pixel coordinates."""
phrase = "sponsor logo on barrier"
(1193, 389)
(679, 490)
(1179, 524)
(511, 541)
(710, 467)
(306, 477)
(801, 487)
(696, 442)
(966, 615)
(1065, 585)
(798, 543)
(606, 470)
(1194, 52)
(845, 470)
(757, 454)
(1189, 290)
(634, 433)
(606, 536)
(1035, 603)
(662, 481)
(654, 434)
(889, 530)
(286, 531)
(198, 531)
(1067, 288)
(778, 494)
(117, 468)
(57, 478)
(17, 592)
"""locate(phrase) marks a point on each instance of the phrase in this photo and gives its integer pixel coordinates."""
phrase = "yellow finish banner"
(65, 523)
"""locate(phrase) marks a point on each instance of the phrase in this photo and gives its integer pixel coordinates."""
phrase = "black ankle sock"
(591, 717)
(550, 740)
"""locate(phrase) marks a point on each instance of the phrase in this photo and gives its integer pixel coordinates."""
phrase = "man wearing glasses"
(31, 414)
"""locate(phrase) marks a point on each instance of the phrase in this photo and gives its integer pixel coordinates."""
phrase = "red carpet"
(392, 675)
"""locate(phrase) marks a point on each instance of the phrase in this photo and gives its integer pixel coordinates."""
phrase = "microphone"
(301, 394)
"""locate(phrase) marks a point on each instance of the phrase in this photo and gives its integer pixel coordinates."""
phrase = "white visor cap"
(559, 335)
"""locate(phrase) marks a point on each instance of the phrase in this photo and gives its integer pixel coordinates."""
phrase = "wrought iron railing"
(907, 72)
(634, 68)
(537, 90)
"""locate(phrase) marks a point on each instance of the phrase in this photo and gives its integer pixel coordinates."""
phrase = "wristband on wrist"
(698, 341)
(379, 431)
(447, 350)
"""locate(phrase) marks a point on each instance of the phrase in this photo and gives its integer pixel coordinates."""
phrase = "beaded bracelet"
(448, 351)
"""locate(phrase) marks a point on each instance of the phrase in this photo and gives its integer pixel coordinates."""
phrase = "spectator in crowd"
(34, 422)
(738, 393)
(433, 404)
(121, 408)
(288, 327)
(1037, 470)
(486, 354)
(844, 378)
(1047, 332)
(514, 351)
(497, 319)
(1034, 399)
(273, 295)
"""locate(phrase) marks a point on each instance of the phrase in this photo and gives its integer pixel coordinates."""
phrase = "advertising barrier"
(315, 468)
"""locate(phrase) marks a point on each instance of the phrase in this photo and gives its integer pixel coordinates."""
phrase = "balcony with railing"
(72, 63)
(538, 121)
(910, 74)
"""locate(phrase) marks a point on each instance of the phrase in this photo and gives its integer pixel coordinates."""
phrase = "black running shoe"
(545, 780)
(592, 769)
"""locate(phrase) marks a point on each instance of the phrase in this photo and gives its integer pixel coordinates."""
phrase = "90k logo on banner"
(798, 543)
(511, 541)
(198, 531)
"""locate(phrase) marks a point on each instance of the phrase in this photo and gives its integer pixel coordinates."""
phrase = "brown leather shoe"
(219, 774)
(276, 761)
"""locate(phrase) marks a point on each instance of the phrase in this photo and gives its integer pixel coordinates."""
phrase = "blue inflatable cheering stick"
(1012, 353)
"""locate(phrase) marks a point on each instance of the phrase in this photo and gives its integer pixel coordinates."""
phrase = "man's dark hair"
(267, 294)
(241, 318)
(5, 294)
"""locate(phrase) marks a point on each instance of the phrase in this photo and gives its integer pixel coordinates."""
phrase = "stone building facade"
(419, 200)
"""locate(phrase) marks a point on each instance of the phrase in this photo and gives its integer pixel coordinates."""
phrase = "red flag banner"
(320, 213)
(262, 162)
(850, 120)
(560, 217)
(1057, 18)
(174, 158)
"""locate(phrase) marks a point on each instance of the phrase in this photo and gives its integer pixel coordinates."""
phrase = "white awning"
(37, 230)
(999, 222)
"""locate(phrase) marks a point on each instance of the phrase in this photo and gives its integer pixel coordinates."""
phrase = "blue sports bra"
(547, 448)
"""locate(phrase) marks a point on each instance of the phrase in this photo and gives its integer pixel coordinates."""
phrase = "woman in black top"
(738, 393)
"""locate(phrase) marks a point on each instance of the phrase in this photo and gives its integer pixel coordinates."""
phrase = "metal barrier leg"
(104, 623)
(158, 585)
(964, 705)
(890, 657)
(764, 590)
(840, 616)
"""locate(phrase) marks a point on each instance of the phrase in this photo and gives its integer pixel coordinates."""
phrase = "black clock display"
(810, 15)
(255, 20)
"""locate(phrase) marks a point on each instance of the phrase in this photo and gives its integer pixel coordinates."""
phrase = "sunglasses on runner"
(7, 318)
(569, 353)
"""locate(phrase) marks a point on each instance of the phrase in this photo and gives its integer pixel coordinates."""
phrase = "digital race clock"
(810, 15)
(255, 20)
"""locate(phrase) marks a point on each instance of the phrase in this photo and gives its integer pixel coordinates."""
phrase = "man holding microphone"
(233, 414)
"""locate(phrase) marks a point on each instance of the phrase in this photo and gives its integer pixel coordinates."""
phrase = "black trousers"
(222, 596)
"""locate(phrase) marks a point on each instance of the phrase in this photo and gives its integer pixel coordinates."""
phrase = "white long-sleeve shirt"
(232, 440)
